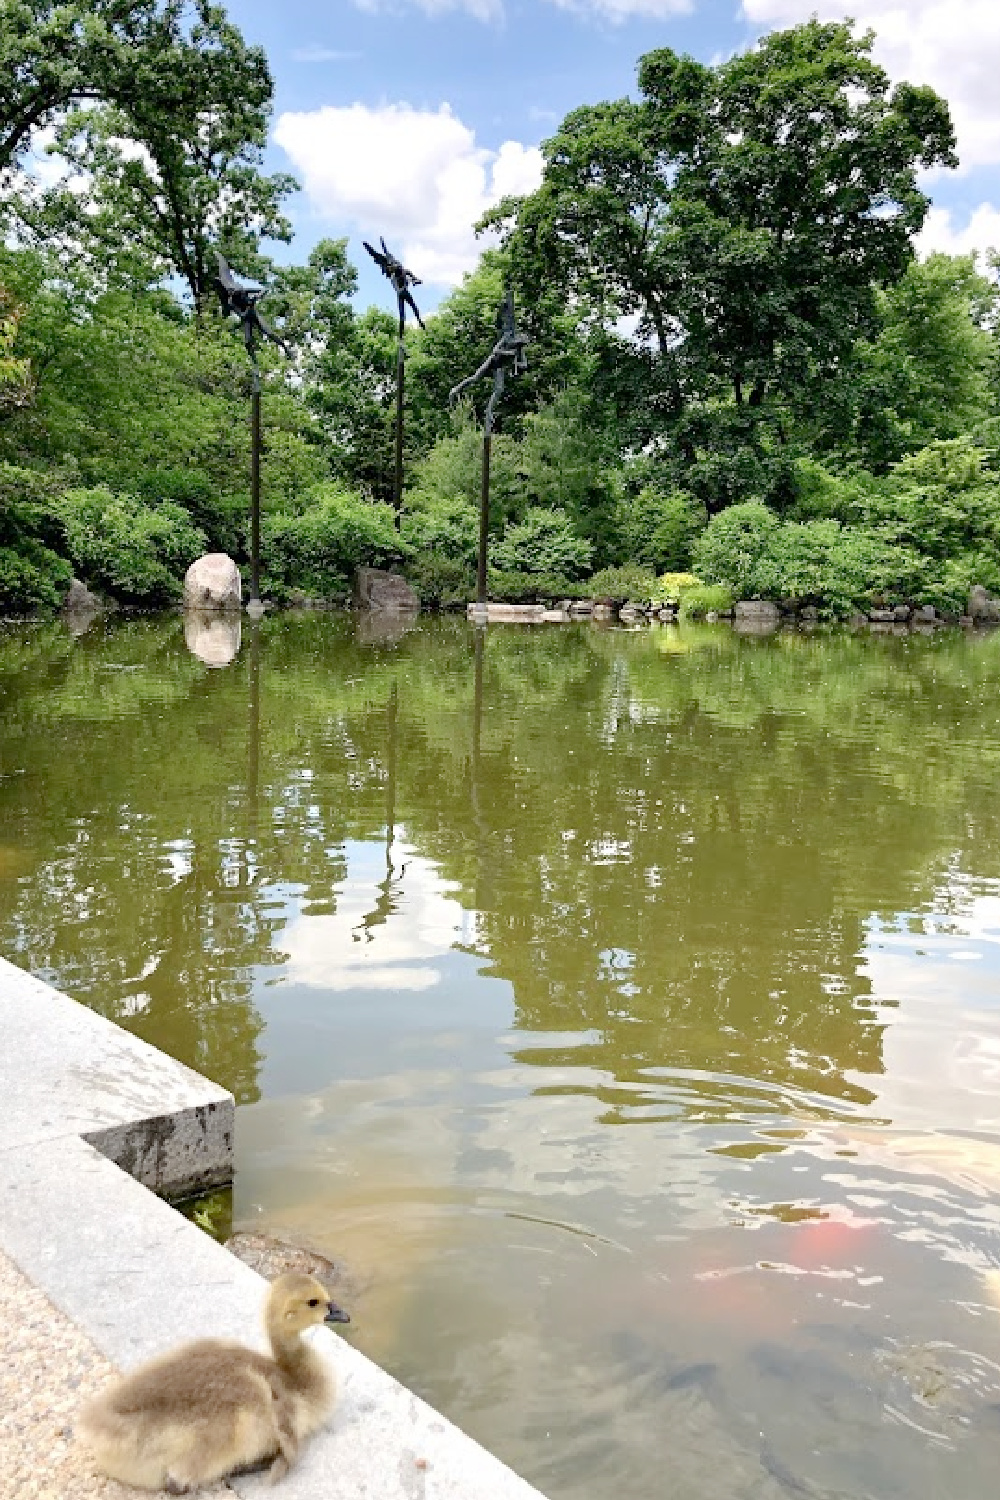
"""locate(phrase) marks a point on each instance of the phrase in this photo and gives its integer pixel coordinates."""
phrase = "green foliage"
(744, 214)
(318, 549)
(629, 583)
(659, 529)
(731, 549)
(703, 599)
(443, 526)
(533, 588)
(545, 542)
(32, 574)
(134, 551)
(671, 587)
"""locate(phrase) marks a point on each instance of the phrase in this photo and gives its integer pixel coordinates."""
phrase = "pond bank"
(91, 1115)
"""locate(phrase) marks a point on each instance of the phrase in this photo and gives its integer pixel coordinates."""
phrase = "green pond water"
(621, 1008)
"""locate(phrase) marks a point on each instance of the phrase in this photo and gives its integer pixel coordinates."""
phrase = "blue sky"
(409, 117)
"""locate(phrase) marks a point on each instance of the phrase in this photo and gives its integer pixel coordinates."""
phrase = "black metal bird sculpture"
(399, 276)
(242, 301)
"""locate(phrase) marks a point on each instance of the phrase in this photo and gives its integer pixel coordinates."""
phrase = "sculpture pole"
(401, 280)
(397, 488)
(507, 354)
(255, 487)
(242, 300)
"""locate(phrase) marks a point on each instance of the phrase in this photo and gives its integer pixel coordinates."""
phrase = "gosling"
(212, 1408)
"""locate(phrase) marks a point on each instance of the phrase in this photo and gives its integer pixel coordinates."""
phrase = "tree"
(741, 217)
(165, 108)
(927, 373)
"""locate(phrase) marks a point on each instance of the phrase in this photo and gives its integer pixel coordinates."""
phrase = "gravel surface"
(47, 1369)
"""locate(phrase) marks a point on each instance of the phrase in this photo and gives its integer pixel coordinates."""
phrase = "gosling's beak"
(335, 1314)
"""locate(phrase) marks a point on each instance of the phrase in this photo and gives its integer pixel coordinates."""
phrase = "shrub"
(672, 586)
(222, 518)
(659, 530)
(135, 551)
(543, 542)
(319, 549)
(733, 546)
(32, 574)
(621, 585)
(532, 588)
(441, 582)
(443, 527)
(704, 599)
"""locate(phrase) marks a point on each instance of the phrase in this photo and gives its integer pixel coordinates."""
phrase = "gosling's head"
(296, 1301)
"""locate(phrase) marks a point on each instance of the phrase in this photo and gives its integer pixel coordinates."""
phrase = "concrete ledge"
(66, 1070)
(523, 614)
(137, 1278)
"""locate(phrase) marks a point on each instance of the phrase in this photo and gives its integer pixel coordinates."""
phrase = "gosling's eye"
(314, 1302)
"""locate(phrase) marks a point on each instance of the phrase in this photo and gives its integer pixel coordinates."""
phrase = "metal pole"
(255, 487)
(397, 498)
(484, 520)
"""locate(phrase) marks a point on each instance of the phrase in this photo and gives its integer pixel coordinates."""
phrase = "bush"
(532, 588)
(733, 547)
(319, 549)
(441, 582)
(704, 599)
(671, 587)
(659, 530)
(32, 574)
(32, 578)
(222, 518)
(135, 551)
(621, 585)
(443, 527)
(543, 542)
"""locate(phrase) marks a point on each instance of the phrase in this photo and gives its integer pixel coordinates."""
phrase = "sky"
(408, 118)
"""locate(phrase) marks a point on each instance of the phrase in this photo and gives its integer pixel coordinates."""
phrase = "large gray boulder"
(757, 613)
(981, 607)
(375, 589)
(213, 582)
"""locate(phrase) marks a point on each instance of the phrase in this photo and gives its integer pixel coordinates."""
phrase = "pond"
(622, 1009)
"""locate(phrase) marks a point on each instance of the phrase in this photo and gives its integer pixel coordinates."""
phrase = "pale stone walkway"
(47, 1369)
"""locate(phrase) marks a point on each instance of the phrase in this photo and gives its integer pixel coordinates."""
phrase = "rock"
(382, 627)
(667, 615)
(881, 616)
(213, 635)
(856, 619)
(901, 613)
(581, 609)
(602, 611)
(810, 614)
(925, 614)
(555, 616)
(629, 615)
(712, 617)
(271, 1257)
(757, 612)
(80, 600)
(375, 589)
(213, 582)
(524, 614)
(982, 608)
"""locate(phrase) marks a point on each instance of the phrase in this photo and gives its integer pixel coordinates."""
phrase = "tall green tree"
(741, 217)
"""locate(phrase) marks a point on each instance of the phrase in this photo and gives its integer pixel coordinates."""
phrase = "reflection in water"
(212, 635)
(620, 1007)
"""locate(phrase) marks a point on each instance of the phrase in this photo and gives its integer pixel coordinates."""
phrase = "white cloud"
(617, 11)
(980, 232)
(614, 11)
(954, 45)
(414, 175)
(482, 10)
